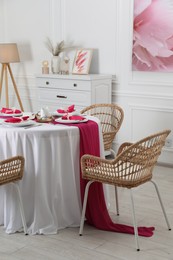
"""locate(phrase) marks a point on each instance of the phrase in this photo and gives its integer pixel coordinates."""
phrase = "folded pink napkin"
(5, 110)
(24, 118)
(13, 120)
(75, 117)
(65, 117)
(70, 109)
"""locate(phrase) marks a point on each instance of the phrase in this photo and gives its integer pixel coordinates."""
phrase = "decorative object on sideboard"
(45, 67)
(82, 61)
(55, 64)
(64, 66)
(9, 54)
(56, 50)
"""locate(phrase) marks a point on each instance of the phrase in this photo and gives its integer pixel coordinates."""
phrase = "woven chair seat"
(121, 174)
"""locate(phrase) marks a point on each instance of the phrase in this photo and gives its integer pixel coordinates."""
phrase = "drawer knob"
(47, 82)
(74, 85)
(60, 96)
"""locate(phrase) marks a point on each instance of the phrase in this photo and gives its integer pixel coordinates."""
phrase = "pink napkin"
(24, 118)
(75, 117)
(5, 110)
(70, 109)
(13, 120)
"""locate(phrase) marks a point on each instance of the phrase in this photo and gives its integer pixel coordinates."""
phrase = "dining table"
(50, 187)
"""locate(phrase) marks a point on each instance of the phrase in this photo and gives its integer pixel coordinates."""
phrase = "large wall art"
(153, 35)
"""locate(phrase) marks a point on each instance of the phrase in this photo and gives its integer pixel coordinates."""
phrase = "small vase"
(55, 64)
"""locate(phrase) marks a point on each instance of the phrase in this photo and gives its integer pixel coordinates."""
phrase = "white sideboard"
(57, 91)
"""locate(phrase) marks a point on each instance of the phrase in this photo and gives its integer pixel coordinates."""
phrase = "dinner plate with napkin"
(18, 121)
(10, 112)
(69, 119)
(62, 111)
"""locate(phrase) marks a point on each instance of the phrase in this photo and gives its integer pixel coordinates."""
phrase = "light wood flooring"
(102, 245)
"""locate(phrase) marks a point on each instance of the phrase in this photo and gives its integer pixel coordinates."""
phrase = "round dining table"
(50, 187)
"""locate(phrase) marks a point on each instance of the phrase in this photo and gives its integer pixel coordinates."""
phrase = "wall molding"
(2, 19)
(159, 109)
(117, 35)
(142, 95)
(151, 83)
(63, 18)
(56, 21)
(151, 108)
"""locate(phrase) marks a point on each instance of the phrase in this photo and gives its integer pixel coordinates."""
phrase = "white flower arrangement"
(58, 48)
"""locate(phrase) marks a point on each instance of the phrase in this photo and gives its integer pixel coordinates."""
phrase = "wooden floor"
(102, 245)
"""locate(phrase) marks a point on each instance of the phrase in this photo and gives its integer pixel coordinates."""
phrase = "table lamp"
(9, 54)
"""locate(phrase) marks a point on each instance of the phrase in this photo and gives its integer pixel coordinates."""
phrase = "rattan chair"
(11, 171)
(132, 167)
(111, 117)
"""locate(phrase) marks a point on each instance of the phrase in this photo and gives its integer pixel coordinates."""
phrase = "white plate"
(20, 124)
(56, 113)
(3, 114)
(66, 121)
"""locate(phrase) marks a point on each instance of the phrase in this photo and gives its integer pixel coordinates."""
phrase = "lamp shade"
(9, 53)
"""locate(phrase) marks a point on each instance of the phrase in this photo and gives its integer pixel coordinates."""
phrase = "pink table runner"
(96, 212)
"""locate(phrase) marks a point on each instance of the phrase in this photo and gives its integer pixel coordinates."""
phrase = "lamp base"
(5, 67)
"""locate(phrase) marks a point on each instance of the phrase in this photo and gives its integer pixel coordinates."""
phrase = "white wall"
(106, 26)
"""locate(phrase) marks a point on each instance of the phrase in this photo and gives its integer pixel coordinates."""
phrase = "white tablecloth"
(50, 187)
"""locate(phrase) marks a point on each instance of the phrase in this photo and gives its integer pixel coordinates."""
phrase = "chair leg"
(116, 199)
(134, 221)
(113, 153)
(116, 189)
(21, 208)
(84, 207)
(161, 203)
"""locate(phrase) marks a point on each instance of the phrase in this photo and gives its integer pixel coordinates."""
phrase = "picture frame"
(82, 61)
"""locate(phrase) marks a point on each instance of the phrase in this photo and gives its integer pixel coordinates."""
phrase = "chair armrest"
(11, 169)
(91, 160)
(95, 168)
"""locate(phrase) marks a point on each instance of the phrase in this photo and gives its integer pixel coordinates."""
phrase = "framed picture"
(82, 61)
(153, 36)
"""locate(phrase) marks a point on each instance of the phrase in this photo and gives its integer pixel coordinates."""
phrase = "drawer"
(79, 85)
(61, 96)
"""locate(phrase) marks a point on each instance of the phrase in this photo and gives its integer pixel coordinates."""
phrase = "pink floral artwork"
(153, 35)
(82, 61)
